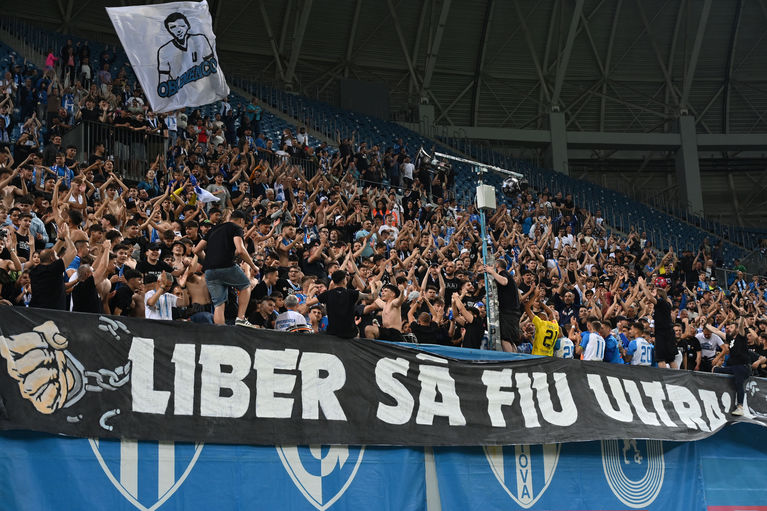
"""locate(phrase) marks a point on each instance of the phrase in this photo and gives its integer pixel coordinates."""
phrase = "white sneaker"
(244, 322)
(738, 411)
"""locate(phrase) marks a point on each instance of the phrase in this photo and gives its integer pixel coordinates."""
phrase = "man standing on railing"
(665, 340)
(736, 346)
(509, 307)
(221, 245)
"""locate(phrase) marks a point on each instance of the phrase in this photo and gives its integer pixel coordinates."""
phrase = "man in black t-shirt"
(89, 113)
(665, 341)
(124, 302)
(691, 352)
(509, 308)
(47, 278)
(152, 265)
(85, 296)
(472, 322)
(340, 303)
(736, 346)
(425, 330)
(268, 285)
(452, 283)
(221, 244)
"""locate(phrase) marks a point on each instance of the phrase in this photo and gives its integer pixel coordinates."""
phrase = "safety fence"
(132, 151)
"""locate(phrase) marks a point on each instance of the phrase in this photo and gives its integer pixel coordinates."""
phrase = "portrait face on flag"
(172, 50)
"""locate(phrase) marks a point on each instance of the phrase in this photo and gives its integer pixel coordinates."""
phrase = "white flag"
(172, 49)
(205, 196)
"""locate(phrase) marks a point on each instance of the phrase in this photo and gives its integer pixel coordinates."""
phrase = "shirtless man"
(199, 296)
(390, 303)
(285, 244)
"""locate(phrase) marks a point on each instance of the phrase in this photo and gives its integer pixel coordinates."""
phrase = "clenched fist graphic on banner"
(43, 369)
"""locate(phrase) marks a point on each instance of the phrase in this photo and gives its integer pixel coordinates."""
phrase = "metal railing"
(756, 261)
(132, 151)
(725, 278)
(309, 166)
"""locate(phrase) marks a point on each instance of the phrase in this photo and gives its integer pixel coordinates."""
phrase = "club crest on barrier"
(321, 473)
(147, 474)
(524, 471)
(634, 470)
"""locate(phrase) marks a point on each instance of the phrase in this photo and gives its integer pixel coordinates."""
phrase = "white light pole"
(485, 202)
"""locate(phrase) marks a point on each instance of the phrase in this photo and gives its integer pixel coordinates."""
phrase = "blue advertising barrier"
(725, 471)
(41, 472)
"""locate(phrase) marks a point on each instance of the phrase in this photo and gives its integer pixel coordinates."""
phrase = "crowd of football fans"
(76, 236)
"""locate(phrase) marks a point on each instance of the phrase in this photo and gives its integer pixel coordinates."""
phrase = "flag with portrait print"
(172, 50)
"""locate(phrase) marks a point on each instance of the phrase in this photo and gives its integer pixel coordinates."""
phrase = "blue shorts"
(219, 281)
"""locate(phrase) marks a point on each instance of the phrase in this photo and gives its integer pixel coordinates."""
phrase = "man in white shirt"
(407, 172)
(302, 137)
(291, 319)
(159, 302)
(640, 352)
(390, 224)
(709, 342)
(590, 345)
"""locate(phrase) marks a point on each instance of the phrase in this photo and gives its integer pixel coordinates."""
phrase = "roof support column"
(688, 167)
(481, 62)
(563, 63)
(352, 36)
(298, 41)
(730, 65)
(431, 57)
(556, 152)
(702, 21)
(272, 40)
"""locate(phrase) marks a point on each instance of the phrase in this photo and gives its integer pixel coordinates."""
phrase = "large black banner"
(97, 376)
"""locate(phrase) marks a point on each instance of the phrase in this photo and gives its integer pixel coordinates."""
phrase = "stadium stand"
(280, 172)
(623, 210)
(688, 230)
(277, 212)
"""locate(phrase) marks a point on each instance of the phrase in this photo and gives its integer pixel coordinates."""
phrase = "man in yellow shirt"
(546, 327)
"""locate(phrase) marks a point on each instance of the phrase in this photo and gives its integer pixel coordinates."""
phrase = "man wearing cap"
(220, 246)
(291, 319)
(345, 230)
(152, 264)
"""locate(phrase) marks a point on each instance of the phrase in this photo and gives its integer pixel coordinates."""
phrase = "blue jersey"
(641, 352)
(612, 351)
(625, 340)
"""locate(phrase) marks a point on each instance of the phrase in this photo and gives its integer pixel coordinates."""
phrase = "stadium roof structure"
(610, 65)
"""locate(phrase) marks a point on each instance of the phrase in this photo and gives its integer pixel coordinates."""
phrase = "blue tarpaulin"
(40, 472)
